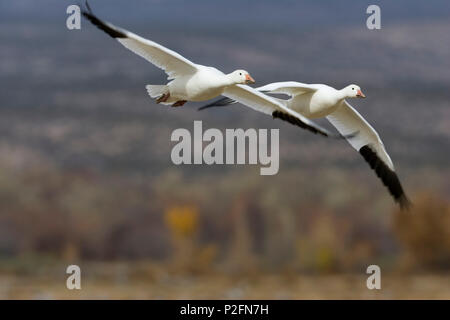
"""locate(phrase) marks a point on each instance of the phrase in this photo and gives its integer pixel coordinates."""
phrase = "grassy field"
(126, 281)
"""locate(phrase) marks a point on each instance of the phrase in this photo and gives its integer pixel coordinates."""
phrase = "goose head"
(353, 91)
(241, 77)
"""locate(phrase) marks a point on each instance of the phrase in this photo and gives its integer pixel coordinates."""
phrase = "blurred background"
(86, 176)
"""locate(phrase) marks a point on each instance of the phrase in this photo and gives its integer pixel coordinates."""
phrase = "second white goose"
(320, 100)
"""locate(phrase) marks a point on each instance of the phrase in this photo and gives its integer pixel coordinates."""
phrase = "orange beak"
(359, 94)
(249, 79)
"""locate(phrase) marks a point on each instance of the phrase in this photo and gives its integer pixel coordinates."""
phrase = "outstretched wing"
(274, 107)
(171, 62)
(368, 143)
(291, 88)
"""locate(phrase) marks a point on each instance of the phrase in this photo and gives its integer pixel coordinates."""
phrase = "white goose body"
(316, 104)
(205, 84)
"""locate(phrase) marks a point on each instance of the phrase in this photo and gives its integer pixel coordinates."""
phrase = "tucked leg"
(179, 103)
(163, 98)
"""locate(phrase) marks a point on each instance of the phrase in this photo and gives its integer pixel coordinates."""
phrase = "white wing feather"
(347, 120)
(291, 88)
(170, 61)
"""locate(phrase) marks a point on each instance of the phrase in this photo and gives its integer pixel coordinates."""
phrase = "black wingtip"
(86, 9)
(404, 203)
(111, 31)
(387, 176)
(218, 103)
(297, 122)
(88, 6)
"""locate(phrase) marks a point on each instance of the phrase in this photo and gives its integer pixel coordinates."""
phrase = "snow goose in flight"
(189, 81)
(317, 101)
(194, 82)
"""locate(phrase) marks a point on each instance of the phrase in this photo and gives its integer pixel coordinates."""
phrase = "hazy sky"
(215, 14)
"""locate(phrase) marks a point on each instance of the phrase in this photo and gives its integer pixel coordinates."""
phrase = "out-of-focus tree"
(188, 255)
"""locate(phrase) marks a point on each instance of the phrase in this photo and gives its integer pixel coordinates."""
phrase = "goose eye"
(353, 88)
(240, 73)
